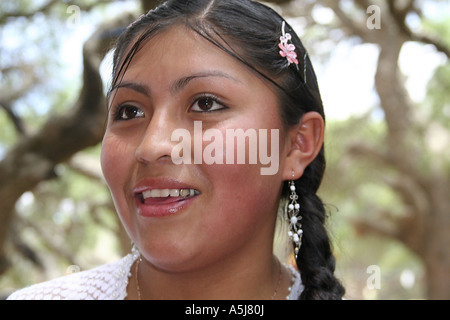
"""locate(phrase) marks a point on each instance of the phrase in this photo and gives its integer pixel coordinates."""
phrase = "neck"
(232, 279)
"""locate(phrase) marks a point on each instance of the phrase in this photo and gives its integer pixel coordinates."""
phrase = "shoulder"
(106, 282)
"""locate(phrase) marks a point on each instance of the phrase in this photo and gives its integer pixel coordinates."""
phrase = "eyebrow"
(141, 88)
(183, 82)
(176, 86)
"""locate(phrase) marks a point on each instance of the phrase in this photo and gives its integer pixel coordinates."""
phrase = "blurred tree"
(33, 157)
(38, 147)
(402, 156)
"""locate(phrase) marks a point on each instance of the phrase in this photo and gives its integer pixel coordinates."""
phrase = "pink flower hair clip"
(287, 49)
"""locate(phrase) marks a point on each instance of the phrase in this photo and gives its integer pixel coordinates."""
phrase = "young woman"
(215, 123)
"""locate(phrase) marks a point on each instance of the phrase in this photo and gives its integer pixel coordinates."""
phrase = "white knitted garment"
(107, 282)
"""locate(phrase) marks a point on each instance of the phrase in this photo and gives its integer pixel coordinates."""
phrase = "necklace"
(137, 279)
(139, 290)
(278, 284)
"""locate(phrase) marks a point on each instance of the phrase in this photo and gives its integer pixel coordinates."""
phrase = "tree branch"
(33, 158)
(387, 159)
(405, 228)
(45, 8)
(365, 226)
(49, 239)
(399, 16)
(15, 119)
(411, 194)
(351, 27)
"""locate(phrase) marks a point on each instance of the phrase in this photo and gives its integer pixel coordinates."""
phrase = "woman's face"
(188, 215)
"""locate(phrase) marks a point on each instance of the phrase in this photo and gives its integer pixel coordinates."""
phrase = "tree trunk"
(33, 158)
(436, 255)
(422, 184)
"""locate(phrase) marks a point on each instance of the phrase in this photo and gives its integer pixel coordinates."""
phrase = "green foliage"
(438, 89)
(438, 95)
(438, 27)
(8, 135)
(65, 221)
(68, 220)
(353, 189)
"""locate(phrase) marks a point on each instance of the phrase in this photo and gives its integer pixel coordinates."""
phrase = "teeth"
(155, 193)
(184, 192)
(164, 193)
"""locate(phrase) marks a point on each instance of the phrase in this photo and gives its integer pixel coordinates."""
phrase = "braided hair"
(250, 32)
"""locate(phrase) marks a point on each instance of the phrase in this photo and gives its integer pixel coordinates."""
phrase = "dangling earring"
(135, 252)
(293, 215)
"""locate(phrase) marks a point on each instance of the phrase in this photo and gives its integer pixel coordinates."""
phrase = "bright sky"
(346, 80)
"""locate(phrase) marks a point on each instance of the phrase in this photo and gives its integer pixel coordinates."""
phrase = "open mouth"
(163, 196)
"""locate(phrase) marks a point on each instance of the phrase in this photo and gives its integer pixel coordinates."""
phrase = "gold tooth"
(162, 193)
(184, 192)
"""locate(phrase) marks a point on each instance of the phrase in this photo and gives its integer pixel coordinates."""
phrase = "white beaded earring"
(135, 251)
(293, 215)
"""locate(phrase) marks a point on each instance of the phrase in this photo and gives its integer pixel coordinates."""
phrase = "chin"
(172, 258)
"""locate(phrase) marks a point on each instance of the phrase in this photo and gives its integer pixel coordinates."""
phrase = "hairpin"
(287, 50)
(304, 66)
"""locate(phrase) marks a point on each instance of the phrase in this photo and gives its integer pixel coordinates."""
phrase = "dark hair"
(254, 30)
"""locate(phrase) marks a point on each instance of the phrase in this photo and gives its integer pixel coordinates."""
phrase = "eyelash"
(117, 113)
(121, 108)
(212, 97)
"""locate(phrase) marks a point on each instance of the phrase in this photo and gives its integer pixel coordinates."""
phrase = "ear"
(306, 139)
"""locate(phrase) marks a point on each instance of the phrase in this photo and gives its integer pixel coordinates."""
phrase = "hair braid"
(255, 29)
(315, 259)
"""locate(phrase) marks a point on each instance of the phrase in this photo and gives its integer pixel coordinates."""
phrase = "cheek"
(242, 209)
(240, 190)
(115, 162)
(242, 196)
(247, 147)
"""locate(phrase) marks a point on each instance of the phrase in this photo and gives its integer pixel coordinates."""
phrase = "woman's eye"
(127, 112)
(206, 104)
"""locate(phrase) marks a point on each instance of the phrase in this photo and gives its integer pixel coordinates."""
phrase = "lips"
(162, 197)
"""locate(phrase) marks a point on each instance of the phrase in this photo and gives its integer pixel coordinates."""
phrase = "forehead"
(178, 51)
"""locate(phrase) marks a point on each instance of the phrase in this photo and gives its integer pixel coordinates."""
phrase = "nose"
(156, 145)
